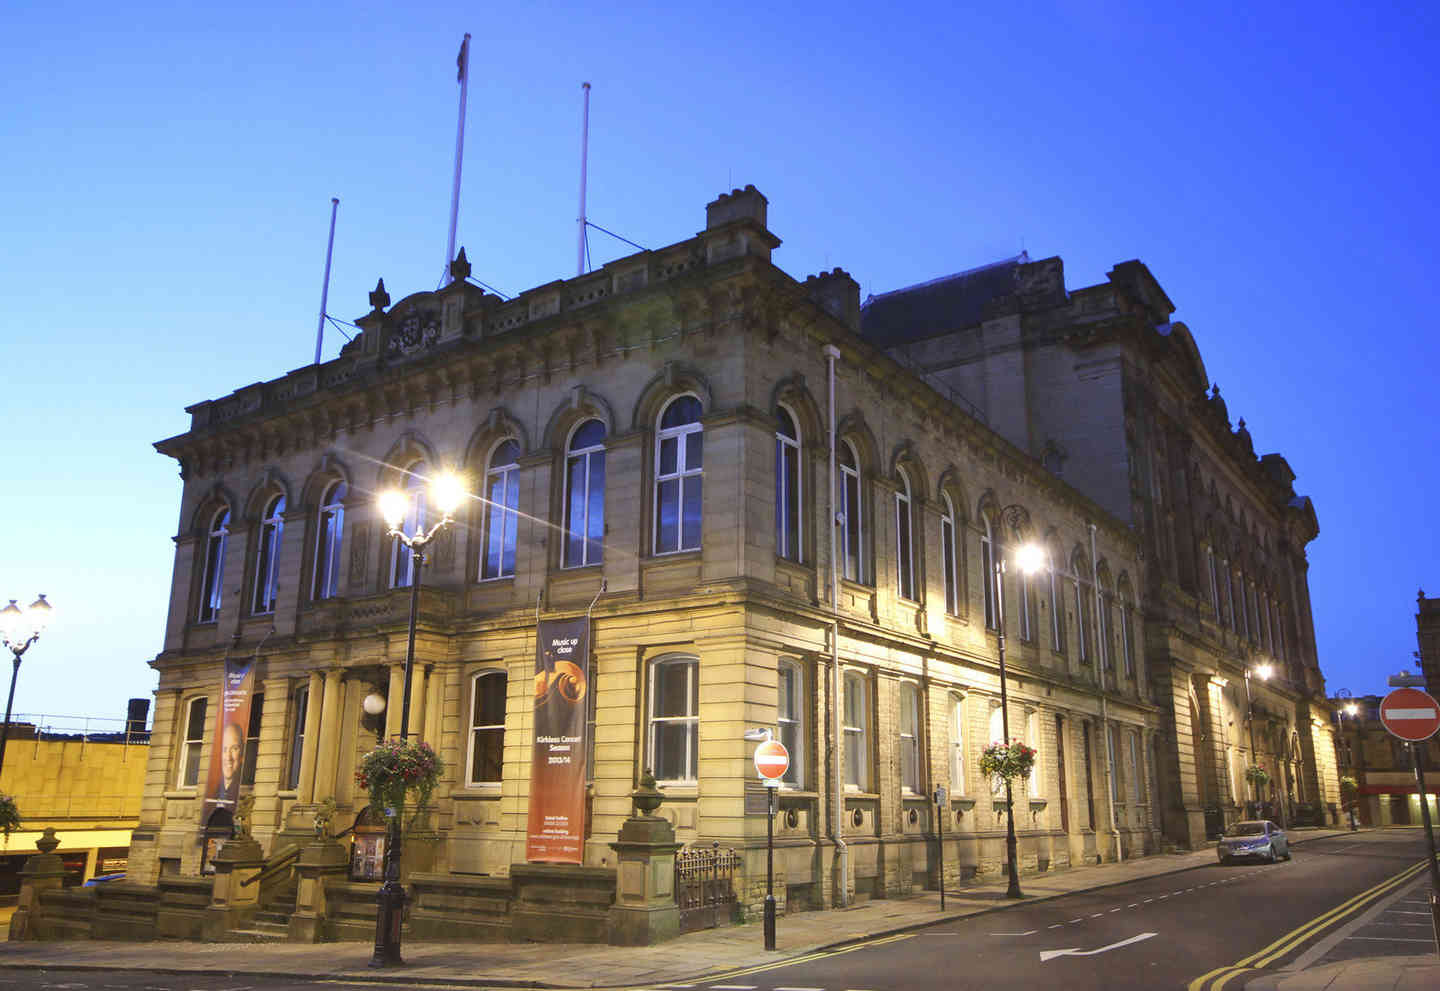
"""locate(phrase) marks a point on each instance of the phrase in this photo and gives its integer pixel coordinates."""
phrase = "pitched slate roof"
(938, 306)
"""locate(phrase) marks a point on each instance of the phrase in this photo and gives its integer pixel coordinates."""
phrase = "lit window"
(327, 542)
(957, 746)
(675, 719)
(1026, 606)
(947, 556)
(851, 514)
(679, 452)
(502, 496)
(194, 740)
(787, 487)
(904, 557)
(267, 556)
(487, 729)
(402, 561)
(790, 715)
(987, 567)
(585, 496)
(910, 737)
(212, 586)
(856, 730)
(297, 736)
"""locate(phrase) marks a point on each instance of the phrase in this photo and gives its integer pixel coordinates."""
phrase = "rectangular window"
(1026, 633)
(1112, 750)
(1080, 630)
(1229, 592)
(910, 737)
(947, 557)
(1032, 737)
(487, 729)
(905, 561)
(1136, 770)
(194, 740)
(297, 737)
(957, 746)
(987, 567)
(1127, 649)
(1057, 608)
(252, 738)
(790, 717)
(856, 730)
(1214, 582)
(675, 719)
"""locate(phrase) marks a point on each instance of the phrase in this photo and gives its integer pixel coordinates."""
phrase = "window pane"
(694, 451)
(511, 521)
(667, 533)
(684, 410)
(790, 737)
(902, 526)
(673, 684)
(852, 529)
(792, 503)
(693, 486)
(786, 707)
(195, 728)
(672, 750)
(668, 460)
(575, 512)
(855, 769)
(490, 700)
(947, 556)
(192, 764)
(487, 756)
(595, 534)
(590, 434)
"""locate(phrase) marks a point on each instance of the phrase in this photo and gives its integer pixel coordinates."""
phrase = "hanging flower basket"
(9, 815)
(395, 770)
(1257, 776)
(1349, 788)
(1007, 761)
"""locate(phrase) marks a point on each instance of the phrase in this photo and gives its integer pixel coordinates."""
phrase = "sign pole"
(772, 785)
(1415, 758)
(940, 831)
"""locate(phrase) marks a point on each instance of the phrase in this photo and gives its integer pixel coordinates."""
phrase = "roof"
(938, 306)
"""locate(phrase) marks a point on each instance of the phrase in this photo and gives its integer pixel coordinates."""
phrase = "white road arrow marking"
(1027, 932)
(1075, 951)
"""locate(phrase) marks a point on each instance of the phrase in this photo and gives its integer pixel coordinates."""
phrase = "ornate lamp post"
(19, 628)
(1349, 708)
(447, 491)
(1029, 558)
(1261, 671)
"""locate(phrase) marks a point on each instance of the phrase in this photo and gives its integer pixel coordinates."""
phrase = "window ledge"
(679, 789)
(868, 796)
(476, 792)
(182, 793)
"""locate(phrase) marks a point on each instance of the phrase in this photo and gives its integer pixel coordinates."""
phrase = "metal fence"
(705, 887)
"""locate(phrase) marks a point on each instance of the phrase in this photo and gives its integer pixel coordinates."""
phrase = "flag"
(462, 60)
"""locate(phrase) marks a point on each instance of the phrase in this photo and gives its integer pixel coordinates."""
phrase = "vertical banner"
(556, 831)
(227, 747)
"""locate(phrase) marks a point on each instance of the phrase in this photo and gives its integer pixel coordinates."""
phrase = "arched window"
(1082, 595)
(1214, 582)
(997, 735)
(787, 486)
(1057, 607)
(502, 497)
(987, 565)
(904, 550)
(856, 730)
(585, 496)
(486, 762)
(1127, 647)
(790, 717)
(674, 745)
(910, 737)
(193, 741)
(957, 745)
(679, 458)
(1104, 624)
(1032, 737)
(267, 556)
(327, 541)
(1229, 592)
(402, 570)
(852, 518)
(212, 584)
(947, 555)
(297, 735)
(1027, 605)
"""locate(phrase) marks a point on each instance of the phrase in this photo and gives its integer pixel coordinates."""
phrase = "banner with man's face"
(556, 830)
(227, 746)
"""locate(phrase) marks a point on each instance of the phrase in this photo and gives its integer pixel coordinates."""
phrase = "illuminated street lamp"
(1029, 559)
(1263, 672)
(1352, 710)
(19, 628)
(446, 493)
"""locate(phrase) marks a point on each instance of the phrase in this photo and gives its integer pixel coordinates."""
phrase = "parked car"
(1253, 838)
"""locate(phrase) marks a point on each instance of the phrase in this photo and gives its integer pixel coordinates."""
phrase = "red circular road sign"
(772, 760)
(1410, 714)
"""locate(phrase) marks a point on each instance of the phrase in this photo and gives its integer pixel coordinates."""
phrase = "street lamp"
(1263, 672)
(1351, 764)
(1029, 559)
(19, 628)
(447, 492)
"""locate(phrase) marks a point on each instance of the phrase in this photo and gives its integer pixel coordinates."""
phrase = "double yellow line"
(1220, 976)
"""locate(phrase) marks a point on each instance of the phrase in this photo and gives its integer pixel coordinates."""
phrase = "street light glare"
(1029, 558)
(448, 491)
(394, 504)
(1263, 671)
(10, 619)
(40, 614)
(1351, 709)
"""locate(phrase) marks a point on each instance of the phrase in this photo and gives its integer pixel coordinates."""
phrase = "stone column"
(394, 700)
(312, 737)
(328, 744)
(644, 911)
(417, 701)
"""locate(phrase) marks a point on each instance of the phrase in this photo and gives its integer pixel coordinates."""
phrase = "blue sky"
(167, 173)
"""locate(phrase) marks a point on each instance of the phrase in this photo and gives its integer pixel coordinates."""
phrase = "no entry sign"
(1410, 714)
(772, 760)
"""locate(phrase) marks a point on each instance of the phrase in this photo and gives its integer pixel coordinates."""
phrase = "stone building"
(1427, 636)
(1382, 765)
(1100, 386)
(652, 442)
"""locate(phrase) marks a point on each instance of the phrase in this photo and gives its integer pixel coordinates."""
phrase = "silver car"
(1254, 838)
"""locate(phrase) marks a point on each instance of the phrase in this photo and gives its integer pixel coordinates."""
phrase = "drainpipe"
(1112, 790)
(842, 854)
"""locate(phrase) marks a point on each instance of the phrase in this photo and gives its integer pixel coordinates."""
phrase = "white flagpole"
(584, 159)
(325, 286)
(462, 61)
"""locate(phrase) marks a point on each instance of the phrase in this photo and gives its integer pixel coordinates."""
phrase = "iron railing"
(705, 887)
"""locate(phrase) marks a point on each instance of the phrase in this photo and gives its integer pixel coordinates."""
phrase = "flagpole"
(462, 62)
(584, 159)
(325, 286)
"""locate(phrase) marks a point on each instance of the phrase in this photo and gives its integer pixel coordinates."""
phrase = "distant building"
(652, 438)
(1427, 633)
(1381, 765)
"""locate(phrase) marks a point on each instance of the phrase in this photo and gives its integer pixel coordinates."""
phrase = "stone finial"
(379, 298)
(1215, 391)
(647, 797)
(48, 841)
(460, 267)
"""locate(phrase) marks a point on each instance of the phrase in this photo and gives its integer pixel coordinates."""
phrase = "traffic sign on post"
(772, 760)
(1410, 714)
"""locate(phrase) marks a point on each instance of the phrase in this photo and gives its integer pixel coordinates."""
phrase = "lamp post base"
(390, 914)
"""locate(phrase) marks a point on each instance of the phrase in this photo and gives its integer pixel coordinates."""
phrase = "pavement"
(693, 958)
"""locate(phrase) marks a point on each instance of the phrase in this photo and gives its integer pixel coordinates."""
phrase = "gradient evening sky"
(167, 170)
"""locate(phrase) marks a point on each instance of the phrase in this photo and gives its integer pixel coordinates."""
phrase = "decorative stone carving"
(416, 331)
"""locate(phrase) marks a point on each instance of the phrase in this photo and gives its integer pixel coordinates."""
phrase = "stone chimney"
(735, 225)
(838, 295)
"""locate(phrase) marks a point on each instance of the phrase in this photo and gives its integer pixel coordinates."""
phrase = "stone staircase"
(271, 922)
